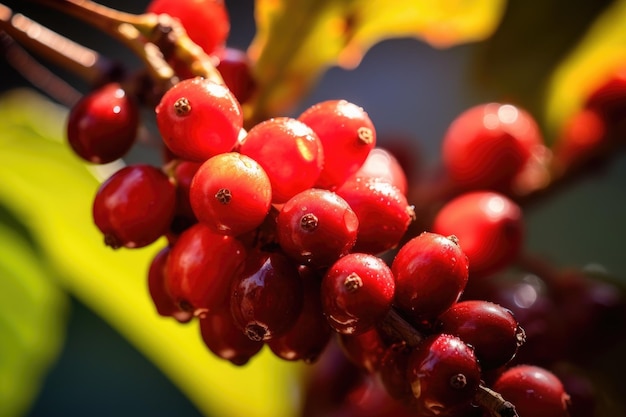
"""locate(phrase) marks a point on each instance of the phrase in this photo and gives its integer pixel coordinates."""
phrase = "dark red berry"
(310, 334)
(384, 166)
(489, 328)
(431, 272)
(266, 299)
(235, 69)
(535, 391)
(289, 152)
(161, 298)
(365, 350)
(316, 227)
(135, 206)
(103, 125)
(347, 135)
(489, 227)
(357, 292)
(222, 336)
(383, 212)
(230, 193)
(393, 371)
(198, 119)
(201, 267)
(444, 376)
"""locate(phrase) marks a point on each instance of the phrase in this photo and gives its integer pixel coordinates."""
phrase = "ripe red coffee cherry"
(103, 125)
(161, 298)
(384, 166)
(347, 136)
(290, 153)
(134, 207)
(487, 146)
(383, 212)
(266, 299)
(206, 21)
(310, 334)
(198, 119)
(489, 227)
(222, 336)
(230, 193)
(235, 69)
(444, 376)
(489, 328)
(535, 391)
(357, 292)
(431, 272)
(316, 227)
(201, 267)
(364, 350)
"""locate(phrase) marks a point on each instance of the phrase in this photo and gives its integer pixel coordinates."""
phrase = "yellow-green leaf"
(52, 191)
(601, 50)
(298, 39)
(32, 322)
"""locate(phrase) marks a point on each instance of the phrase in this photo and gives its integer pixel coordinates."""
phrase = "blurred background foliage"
(78, 335)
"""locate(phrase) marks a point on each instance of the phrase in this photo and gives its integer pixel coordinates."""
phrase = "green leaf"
(297, 40)
(32, 321)
(52, 191)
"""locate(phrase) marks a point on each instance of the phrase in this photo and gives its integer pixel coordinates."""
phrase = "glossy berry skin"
(489, 226)
(316, 227)
(201, 267)
(230, 193)
(224, 339)
(290, 153)
(383, 212)
(382, 165)
(267, 300)
(489, 328)
(135, 206)
(347, 135)
(357, 292)
(444, 376)
(206, 21)
(103, 125)
(310, 334)
(535, 391)
(198, 118)
(393, 371)
(488, 145)
(364, 350)
(182, 173)
(431, 272)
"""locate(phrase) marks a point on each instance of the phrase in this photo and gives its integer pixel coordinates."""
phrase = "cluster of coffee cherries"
(301, 236)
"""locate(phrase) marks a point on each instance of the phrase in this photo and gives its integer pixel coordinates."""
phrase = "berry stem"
(78, 59)
(157, 40)
(396, 326)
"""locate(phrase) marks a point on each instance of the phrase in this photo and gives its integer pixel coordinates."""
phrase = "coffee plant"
(258, 229)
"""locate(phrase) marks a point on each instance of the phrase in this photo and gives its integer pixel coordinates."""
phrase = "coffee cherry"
(444, 376)
(357, 292)
(431, 272)
(198, 118)
(289, 152)
(383, 212)
(162, 300)
(384, 166)
(316, 227)
(201, 267)
(224, 339)
(206, 21)
(487, 146)
(134, 207)
(230, 193)
(182, 173)
(310, 334)
(489, 227)
(535, 391)
(489, 328)
(347, 135)
(103, 125)
(393, 371)
(365, 349)
(266, 300)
